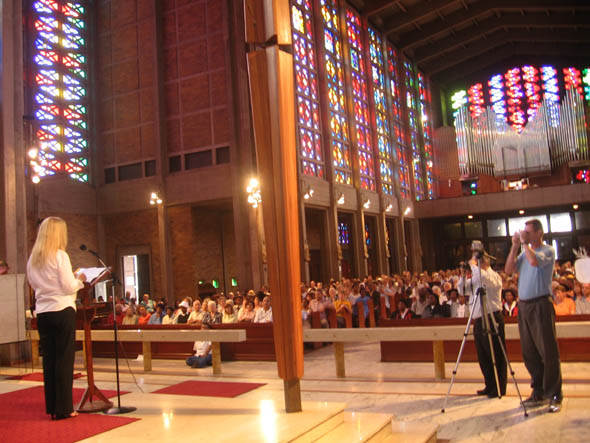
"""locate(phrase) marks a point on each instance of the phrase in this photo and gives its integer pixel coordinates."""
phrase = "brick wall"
(183, 245)
(126, 73)
(135, 229)
(195, 41)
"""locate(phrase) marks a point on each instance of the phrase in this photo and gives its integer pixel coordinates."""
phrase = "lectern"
(93, 400)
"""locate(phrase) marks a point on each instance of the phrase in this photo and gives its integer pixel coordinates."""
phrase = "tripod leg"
(465, 334)
(526, 414)
(488, 331)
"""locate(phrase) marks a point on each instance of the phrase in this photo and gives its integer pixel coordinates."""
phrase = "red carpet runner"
(38, 376)
(23, 419)
(209, 388)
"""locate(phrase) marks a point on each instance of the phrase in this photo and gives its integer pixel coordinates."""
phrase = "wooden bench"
(146, 337)
(437, 335)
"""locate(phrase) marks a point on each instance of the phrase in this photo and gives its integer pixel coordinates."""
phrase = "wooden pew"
(147, 337)
(436, 335)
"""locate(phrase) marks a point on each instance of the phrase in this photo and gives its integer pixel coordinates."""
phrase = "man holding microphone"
(536, 314)
(484, 277)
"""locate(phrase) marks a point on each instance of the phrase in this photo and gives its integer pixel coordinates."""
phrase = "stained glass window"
(60, 81)
(572, 79)
(339, 140)
(306, 89)
(361, 101)
(413, 118)
(402, 173)
(424, 96)
(385, 151)
(343, 234)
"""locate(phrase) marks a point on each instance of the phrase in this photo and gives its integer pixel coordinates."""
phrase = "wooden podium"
(93, 400)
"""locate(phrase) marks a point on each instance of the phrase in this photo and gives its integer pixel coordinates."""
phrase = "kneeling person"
(201, 352)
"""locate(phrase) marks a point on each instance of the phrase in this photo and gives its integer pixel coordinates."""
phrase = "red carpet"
(209, 388)
(38, 376)
(23, 419)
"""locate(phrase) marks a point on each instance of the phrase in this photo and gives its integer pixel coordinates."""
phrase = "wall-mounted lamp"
(253, 190)
(407, 210)
(470, 217)
(389, 208)
(308, 192)
(155, 199)
(340, 200)
(367, 204)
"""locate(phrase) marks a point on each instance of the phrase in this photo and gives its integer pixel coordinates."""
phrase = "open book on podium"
(93, 400)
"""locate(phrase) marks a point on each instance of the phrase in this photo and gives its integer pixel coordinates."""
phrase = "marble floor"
(408, 391)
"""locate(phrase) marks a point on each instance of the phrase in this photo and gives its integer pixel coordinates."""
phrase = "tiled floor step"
(359, 427)
(411, 432)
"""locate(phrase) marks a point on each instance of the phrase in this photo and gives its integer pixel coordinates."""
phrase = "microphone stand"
(114, 280)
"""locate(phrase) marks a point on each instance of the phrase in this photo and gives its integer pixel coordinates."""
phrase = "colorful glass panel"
(586, 80)
(59, 75)
(360, 100)
(402, 170)
(343, 233)
(428, 158)
(384, 145)
(572, 78)
(514, 94)
(415, 148)
(339, 142)
(306, 89)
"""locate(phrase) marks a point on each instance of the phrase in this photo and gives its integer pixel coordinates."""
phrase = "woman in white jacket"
(50, 274)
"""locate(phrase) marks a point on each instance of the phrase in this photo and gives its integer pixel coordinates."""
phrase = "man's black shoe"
(482, 392)
(555, 404)
(533, 400)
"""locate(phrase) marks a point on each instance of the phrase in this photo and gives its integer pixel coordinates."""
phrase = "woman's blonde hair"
(52, 235)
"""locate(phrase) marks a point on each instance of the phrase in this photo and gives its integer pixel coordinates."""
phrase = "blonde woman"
(50, 274)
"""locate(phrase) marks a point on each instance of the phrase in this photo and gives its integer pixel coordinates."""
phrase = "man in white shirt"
(264, 315)
(485, 277)
(202, 352)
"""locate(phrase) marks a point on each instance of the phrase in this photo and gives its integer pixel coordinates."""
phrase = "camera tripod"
(490, 328)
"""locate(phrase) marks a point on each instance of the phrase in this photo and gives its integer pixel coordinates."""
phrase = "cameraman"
(492, 283)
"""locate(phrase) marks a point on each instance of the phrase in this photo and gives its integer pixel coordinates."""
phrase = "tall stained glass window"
(60, 80)
(402, 174)
(306, 89)
(385, 151)
(361, 100)
(424, 95)
(414, 126)
(339, 140)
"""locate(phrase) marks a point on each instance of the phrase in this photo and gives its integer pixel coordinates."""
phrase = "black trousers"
(536, 325)
(57, 334)
(482, 346)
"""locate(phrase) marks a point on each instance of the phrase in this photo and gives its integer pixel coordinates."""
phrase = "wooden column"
(438, 352)
(216, 357)
(147, 355)
(268, 31)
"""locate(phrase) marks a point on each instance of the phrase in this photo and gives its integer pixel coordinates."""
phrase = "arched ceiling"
(453, 41)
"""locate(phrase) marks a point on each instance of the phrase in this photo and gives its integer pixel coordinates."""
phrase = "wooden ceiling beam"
(454, 58)
(541, 20)
(415, 13)
(429, 31)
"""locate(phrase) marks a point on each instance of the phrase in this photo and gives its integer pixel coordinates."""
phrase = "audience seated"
(157, 316)
(229, 316)
(168, 319)
(130, 318)
(583, 300)
(196, 314)
(183, 315)
(562, 303)
(247, 313)
(510, 305)
(212, 316)
(403, 312)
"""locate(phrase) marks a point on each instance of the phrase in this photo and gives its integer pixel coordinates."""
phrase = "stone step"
(359, 427)
(411, 432)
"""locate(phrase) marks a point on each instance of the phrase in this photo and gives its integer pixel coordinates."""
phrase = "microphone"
(84, 248)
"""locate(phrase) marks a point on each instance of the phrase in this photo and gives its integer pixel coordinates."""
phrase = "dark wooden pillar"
(268, 33)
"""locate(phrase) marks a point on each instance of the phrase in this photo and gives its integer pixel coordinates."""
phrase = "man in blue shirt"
(536, 314)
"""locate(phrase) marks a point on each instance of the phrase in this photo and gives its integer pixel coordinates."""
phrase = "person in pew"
(583, 301)
(120, 315)
(229, 316)
(182, 317)
(264, 315)
(147, 303)
(144, 316)
(247, 313)
(306, 315)
(196, 314)
(157, 316)
(168, 319)
(364, 299)
(201, 352)
(403, 311)
(374, 294)
(342, 306)
(563, 304)
(221, 302)
(510, 305)
(212, 316)
(130, 318)
(320, 304)
(420, 302)
(462, 310)
(433, 308)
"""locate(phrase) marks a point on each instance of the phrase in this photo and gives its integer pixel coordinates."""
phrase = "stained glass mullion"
(309, 133)
(362, 132)
(333, 66)
(59, 70)
(380, 102)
